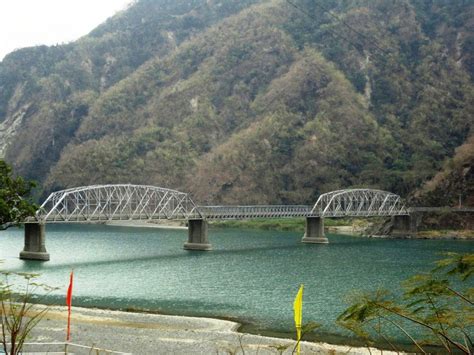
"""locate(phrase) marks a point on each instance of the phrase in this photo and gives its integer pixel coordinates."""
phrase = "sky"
(25, 23)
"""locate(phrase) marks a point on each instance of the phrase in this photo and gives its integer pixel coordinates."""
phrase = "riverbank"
(144, 333)
(164, 224)
(348, 226)
(282, 224)
(278, 224)
(432, 235)
(353, 227)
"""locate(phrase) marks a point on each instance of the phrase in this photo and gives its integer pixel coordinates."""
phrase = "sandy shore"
(143, 333)
(145, 224)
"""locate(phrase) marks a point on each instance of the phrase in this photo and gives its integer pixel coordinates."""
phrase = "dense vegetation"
(251, 101)
(15, 205)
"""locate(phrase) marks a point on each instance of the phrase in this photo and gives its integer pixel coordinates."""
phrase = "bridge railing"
(259, 211)
(356, 213)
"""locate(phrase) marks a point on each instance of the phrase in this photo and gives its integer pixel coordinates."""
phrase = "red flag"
(69, 304)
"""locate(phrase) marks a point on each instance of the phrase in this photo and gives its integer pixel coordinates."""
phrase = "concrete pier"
(314, 232)
(197, 235)
(34, 243)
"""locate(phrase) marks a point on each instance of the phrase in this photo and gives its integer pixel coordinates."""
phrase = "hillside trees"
(14, 192)
(310, 128)
(361, 93)
(87, 67)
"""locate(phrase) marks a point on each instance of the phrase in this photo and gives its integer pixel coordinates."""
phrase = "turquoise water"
(251, 275)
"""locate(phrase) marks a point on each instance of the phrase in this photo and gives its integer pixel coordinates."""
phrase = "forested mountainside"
(455, 181)
(254, 101)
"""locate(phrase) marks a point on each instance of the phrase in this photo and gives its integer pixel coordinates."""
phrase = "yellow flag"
(298, 309)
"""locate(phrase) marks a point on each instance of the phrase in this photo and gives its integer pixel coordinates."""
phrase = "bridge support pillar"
(197, 235)
(314, 232)
(34, 243)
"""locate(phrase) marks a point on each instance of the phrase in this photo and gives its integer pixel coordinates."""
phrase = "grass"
(281, 224)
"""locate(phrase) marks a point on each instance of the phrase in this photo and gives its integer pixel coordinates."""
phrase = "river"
(251, 275)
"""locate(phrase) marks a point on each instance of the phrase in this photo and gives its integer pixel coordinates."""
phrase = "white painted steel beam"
(138, 202)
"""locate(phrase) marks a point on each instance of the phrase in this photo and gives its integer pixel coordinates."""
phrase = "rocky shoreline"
(423, 236)
(430, 234)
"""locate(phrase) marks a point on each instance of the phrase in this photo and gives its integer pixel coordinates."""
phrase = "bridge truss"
(116, 202)
(359, 203)
(98, 203)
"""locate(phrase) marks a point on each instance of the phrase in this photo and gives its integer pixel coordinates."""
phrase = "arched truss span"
(116, 202)
(359, 202)
(98, 203)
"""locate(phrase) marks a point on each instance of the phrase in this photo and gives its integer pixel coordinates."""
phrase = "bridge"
(103, 203)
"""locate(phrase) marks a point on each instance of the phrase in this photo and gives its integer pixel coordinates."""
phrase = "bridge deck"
(218, 213)
(199, 212)
(248, 212)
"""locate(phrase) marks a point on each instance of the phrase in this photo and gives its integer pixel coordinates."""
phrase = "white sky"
(25, 23)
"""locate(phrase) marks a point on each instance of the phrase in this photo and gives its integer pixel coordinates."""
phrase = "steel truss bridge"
(101, 203)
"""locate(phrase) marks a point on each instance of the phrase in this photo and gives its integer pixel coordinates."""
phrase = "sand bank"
(146, 224)
(143, 333)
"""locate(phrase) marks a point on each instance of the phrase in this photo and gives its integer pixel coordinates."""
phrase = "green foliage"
(281, 224)
(14, 205)
(457, 264)
(18, 316)
(435, 304)
(454, 184)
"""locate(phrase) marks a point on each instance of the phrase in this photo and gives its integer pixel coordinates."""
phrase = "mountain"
(248, 101)
(454, 185)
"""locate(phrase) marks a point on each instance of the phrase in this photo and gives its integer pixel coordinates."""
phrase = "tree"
(14, 205)
(437, 304)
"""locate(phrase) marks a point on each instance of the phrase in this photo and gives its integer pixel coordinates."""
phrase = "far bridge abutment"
(405, 224)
